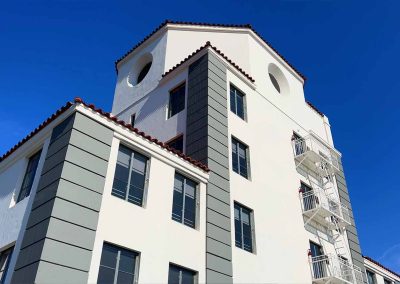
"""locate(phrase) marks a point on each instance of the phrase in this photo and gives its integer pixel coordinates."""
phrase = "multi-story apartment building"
(242, 183)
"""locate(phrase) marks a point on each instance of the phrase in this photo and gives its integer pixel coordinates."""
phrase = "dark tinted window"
(130, 175)
(117, 265)
(143, 72)
(239, 158)
(177, 143)
(180, 275)
(176, 100)
(184, 201)
(275, 82)
(237, 102)
(29, 176)
(5, 257)
(243, 228)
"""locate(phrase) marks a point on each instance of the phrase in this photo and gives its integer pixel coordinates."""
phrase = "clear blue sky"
(53, 51)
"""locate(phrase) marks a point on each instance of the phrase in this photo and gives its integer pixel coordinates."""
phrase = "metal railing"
(331, 266)
(325, 154)
(316, 199)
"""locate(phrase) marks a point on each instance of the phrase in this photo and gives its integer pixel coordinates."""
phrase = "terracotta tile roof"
(114, 119)
(380, 265)
(208, 44)
(315, 108)
(243, 26)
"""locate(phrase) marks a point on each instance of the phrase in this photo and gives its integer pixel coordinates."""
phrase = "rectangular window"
(184, 205)
(387, 281)
(240, 158)
(177, 143)
(5, 257)
(243, 227)
(176, 100)
(117, 265)
(371, 277)
(133, 117)
(130, 176)
(29, 176)
(237, 102)
(180, 275)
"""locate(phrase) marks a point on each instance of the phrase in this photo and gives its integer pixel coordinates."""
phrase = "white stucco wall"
(150, 229)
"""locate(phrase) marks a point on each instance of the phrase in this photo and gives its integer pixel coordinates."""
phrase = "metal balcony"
(334, 269)
(316, 154)
(325, 210)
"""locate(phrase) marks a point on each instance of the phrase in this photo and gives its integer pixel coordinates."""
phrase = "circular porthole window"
(140, 69)
(275, 82)
(278, 79)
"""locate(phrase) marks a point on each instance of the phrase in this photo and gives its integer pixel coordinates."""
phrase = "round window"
(140, 69)
(278, 79)
(275, 82)
(144, 72)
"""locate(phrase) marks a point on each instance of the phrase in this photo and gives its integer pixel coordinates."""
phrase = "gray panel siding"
(207, 141)
(59, 237)
(352, 236)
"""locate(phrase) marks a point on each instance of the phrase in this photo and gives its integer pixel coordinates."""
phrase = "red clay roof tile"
(113, 118)
(208, 44)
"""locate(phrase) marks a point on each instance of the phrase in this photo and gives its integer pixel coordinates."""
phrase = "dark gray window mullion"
(129, 176)
(241, 226)
(183, 200)
(238, 156)
(117, 267)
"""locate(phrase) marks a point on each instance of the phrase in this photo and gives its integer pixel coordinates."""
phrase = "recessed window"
(180, 275)
(275, 82)
(139, 70)
(117, 265)
(240, 153)
(176, 143)
(29, 176)
(243, 227)
(387, 281)
(5, 257)
(143, 72)
(176, 100)
(130, 176)
(371, 277)
(237, 101)
(184, 207)
(133, 118)
(278, 79)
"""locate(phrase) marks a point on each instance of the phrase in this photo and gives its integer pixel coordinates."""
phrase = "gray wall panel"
(207, 140)
(352, 236)
(59, 237)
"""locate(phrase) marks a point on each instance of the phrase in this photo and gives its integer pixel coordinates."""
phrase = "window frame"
(10, 251)
(116, 269)
(169, 108)
(183, 268)
(146, 175)
(252, 227)
(133, 119)
(373, 274)
(238, 92)
(27, 193)
(197, 201)
(176, 138)
(247, 153)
